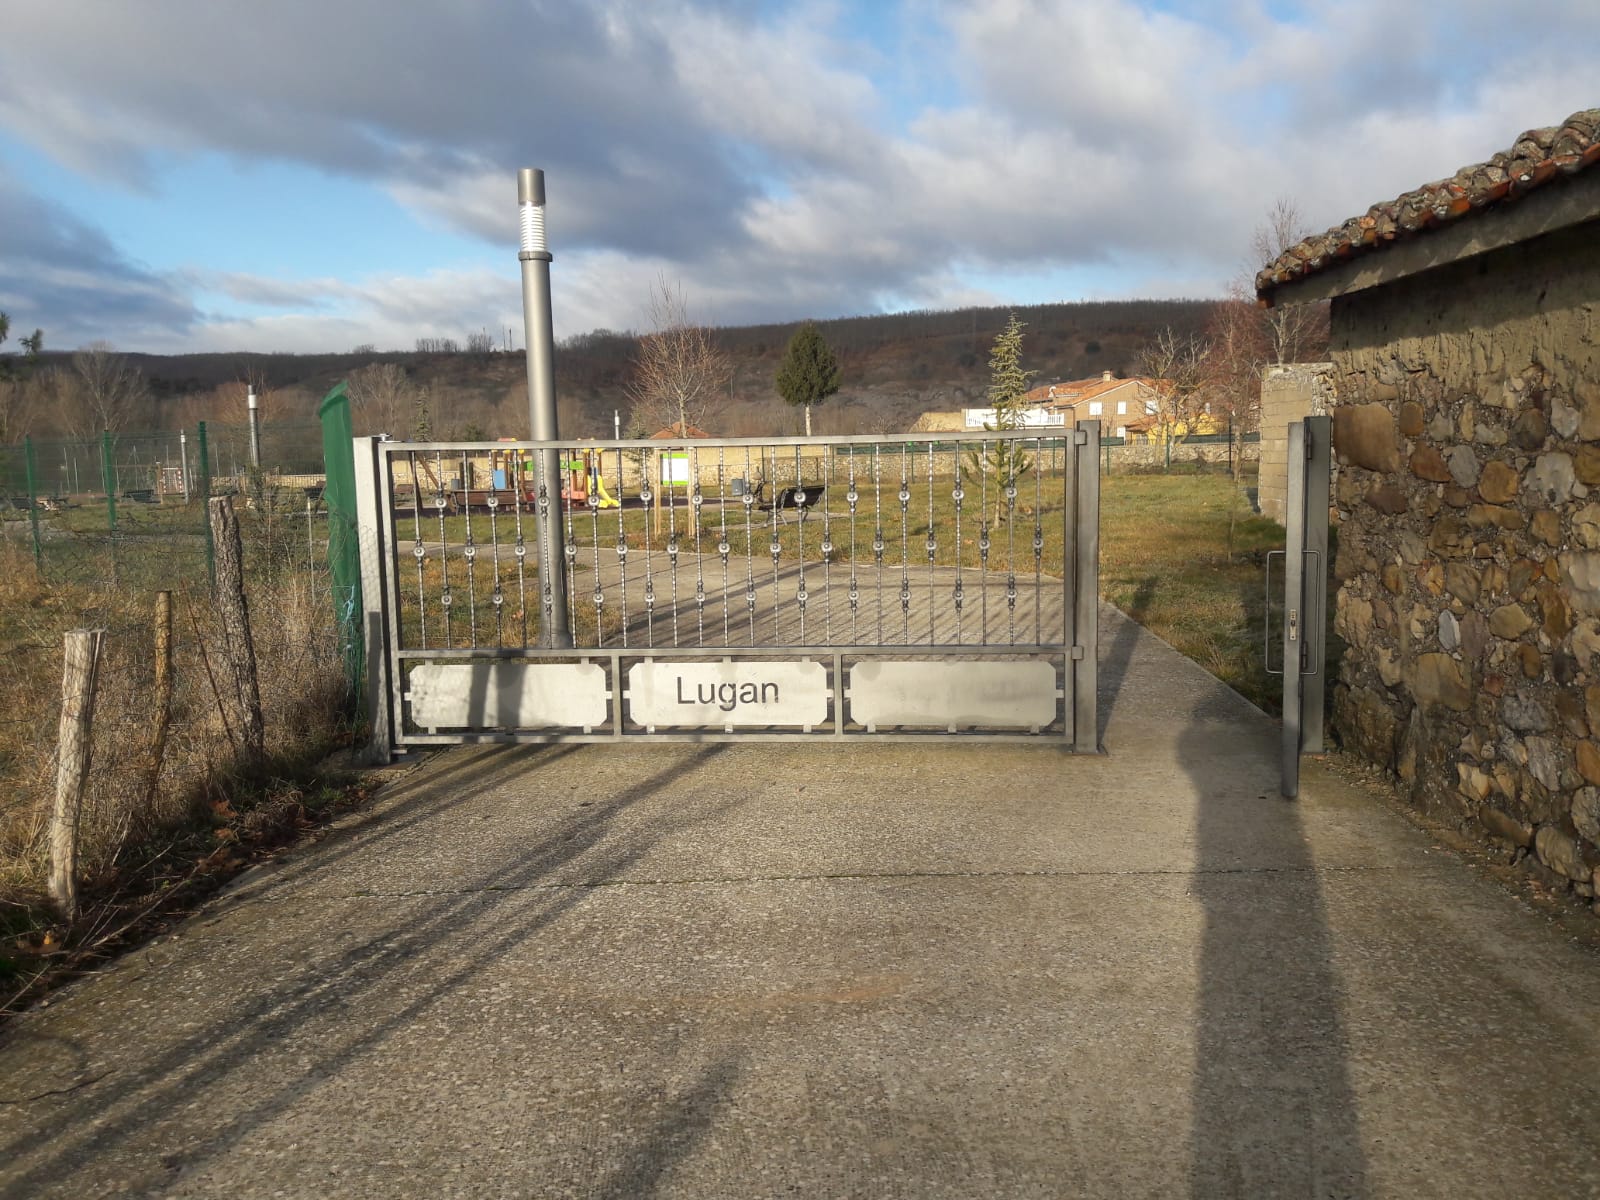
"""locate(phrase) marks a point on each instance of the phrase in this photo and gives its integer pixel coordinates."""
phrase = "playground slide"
(606, 498)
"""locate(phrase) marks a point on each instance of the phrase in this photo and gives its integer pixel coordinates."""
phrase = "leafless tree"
(384, 399)
(110, 392)
(1177, 363)
(680, 374)
(1295, 332)
(1238, 349)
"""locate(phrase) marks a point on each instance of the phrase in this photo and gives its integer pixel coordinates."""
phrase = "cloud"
(62, 275)
(780, 160)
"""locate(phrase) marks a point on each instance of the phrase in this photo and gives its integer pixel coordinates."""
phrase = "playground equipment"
(582, 476)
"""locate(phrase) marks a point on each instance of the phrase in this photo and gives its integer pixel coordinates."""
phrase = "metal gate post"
(1086, 595)
(1318, 458)
(372, 540)
(1294, 525)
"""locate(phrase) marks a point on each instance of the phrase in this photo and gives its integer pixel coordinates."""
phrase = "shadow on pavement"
(382, 975)
(1114, 663)
(1274, 1110)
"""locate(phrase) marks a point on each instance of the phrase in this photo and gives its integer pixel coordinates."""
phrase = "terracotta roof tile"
(1536, 158)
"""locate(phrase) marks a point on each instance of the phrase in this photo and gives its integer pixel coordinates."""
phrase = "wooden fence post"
(80, 671)
(234, 615)
(161, 709)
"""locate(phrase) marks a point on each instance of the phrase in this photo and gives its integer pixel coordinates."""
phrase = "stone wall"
(1468, 433)
(1152, 456)
(1289, 392)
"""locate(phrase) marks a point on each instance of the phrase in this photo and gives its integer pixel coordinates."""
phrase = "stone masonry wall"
(1289, 392)
(1468, 435)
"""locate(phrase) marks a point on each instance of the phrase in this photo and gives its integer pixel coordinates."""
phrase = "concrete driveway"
(861, 970)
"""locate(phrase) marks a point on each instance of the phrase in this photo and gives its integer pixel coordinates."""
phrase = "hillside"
(895, 367)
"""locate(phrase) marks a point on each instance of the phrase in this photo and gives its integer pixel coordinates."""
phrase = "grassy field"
(1184, 556)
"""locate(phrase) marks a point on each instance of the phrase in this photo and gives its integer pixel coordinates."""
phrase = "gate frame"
(1078, 653)
(1305, 594)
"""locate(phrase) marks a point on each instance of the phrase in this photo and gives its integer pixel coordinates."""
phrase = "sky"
(315, 175)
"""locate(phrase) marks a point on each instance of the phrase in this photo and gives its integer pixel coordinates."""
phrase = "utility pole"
(539, 335)
(254, 407)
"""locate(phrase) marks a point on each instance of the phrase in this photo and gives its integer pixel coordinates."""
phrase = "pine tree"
(1005, 462)
(809, 373)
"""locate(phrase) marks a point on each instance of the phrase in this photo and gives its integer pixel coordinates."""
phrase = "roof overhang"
(1556, 206)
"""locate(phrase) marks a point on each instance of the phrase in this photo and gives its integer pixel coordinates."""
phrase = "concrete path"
(868, 970)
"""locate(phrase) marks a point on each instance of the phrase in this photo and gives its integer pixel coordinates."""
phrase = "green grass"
(1184, 556)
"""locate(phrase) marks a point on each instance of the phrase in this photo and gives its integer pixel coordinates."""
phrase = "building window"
(1151, 407)
(1094, 408)
(1122, 408)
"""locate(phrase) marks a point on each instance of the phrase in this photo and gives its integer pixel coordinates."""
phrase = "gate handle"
(1294, 617)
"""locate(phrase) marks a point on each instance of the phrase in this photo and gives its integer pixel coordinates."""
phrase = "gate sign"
(954, 695)
(717, 695)
(507, 695)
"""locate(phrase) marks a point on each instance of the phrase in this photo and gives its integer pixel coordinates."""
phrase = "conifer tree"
(1005, 462)
(809, 373)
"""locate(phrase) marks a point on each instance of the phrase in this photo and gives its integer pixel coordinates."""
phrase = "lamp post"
(539, 337)
(254, 407)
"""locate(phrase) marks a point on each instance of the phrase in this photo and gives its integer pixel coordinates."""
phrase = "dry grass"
(135, 839)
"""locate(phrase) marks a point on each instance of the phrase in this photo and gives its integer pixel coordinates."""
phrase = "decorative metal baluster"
(696, 503)
(1038, 543)
(775, 546)
(877, 536)
(444, 550)
(801, 595)
(497, 598)
(542, 508)
(469, 551)
(418, 550)
(749, 547)
(645, 493)
(933, 549)
(1005, 455)
(957, 494)
(827, 553)
(905, 543)
(591, 480)
(565, 488)
(983, 534)
(622, 550)
(521, 551)
(722, 533)
(853, 497)
(669, 488)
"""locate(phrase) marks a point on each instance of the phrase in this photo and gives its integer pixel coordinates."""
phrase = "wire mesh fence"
(129, 510)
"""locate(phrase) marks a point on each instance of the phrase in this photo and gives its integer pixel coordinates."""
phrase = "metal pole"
(33, 503)
(183, 461)
(539, 334)
(253, 405)
(205, 494)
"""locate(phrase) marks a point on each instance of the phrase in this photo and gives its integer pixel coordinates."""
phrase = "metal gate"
(715, 589)
(1305, 591)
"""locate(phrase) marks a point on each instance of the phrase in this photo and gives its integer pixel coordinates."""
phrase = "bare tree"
(384, 398)
(680, 374)
(1295, 332)
(1177, 363)
(110, 395)
(1239, 348)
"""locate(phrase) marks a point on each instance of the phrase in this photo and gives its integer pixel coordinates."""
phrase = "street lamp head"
(530, 206)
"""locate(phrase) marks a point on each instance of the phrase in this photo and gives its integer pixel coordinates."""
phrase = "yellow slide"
(606, 498)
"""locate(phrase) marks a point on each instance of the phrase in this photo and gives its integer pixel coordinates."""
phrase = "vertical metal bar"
(801, 595)
(622, 566)
(669, 487)
(1038, 540)
(827, 550)
(519, 492)
(469, 551)
(749, 547)
(933, 550)
(981, 467)
(775, 546)
(852, 498)
(33, 503)
(569, 543)
(649, 464)
(905, 546)
(697, 501)
(957, 495)
(723, 548)
(497, 598)
(445, 597)
(877, 523)
(204, 489)
(1086, 591)
(539, 337)
(1294, 605)
(1319, 438)
(593, 475)
(419, 551)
